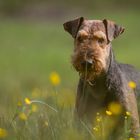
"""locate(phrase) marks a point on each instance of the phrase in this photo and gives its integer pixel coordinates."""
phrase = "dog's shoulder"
(129, 70)
(130, 73)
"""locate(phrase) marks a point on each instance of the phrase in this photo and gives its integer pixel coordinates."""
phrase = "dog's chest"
(100, 93)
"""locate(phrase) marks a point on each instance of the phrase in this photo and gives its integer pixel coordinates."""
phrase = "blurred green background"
(33, 43)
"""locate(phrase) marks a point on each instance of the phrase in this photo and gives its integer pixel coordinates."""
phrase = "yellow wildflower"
(98, 118)
(132, 84)
(3, 133)
(109, 113)
(125, 117)
(131, 138)
(34, 108)
(95, 129)
(55, 78)
(23, 116)
(115, 108)
(128, 113)
(27, 101)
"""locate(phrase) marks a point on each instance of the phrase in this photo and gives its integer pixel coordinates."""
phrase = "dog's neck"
(111, 61)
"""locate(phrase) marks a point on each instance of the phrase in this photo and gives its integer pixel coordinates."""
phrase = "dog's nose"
(87, 63)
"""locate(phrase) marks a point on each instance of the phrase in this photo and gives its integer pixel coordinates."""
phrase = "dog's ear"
(73, 26)
(112, 29)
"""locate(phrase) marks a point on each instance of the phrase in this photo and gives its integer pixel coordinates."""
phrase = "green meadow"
(32, 107)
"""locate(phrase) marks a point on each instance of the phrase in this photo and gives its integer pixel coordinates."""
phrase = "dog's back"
(132, 75)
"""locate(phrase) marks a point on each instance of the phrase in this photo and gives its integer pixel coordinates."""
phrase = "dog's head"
(92, 40)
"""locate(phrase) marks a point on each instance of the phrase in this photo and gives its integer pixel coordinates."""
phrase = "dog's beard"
(92, 73)
(88, 74)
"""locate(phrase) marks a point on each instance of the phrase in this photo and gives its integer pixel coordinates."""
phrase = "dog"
(102, 79)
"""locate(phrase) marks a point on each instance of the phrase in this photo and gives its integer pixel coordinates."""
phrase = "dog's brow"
(82, 33)
(99, 34)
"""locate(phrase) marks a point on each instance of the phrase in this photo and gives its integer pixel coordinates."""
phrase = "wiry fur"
(106, 81)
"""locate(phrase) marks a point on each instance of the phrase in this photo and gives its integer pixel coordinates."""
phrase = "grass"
(30, 52)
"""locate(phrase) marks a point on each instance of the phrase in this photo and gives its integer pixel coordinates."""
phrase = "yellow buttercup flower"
(132, 84)
(128, 113)
(109, 113)
(3, 133)
(27, 101)
(55, 78)
(115, 108)
(99, 119)
(125, 117)
(23, 116)
(95, 129)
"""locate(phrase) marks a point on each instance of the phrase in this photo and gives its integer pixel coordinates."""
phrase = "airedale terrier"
(102, 79)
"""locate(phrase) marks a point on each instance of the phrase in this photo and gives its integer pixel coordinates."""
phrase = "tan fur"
(99, 52)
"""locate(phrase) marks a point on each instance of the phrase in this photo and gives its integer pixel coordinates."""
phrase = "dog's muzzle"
(87, 64)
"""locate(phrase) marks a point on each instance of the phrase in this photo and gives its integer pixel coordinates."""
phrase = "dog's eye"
(101, 40)
(79, 38)
(82, 38)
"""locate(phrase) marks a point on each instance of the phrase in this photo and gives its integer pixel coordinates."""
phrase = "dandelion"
(3, 133)
(23, 116)
(132, 84)
(27, 101)
(55, 78)
(115, 108)
(128, 113)
(109, 113)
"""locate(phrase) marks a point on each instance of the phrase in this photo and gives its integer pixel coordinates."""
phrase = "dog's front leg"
(130, 104)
